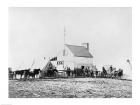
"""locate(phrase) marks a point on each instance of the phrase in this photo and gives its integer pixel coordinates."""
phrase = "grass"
(70, 88)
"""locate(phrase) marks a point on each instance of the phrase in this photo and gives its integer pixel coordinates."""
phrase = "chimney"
(86, 45)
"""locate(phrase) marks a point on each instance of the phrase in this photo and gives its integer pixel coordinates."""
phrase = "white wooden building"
(74, 56)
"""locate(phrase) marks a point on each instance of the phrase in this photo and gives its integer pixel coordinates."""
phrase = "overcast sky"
(35, 33)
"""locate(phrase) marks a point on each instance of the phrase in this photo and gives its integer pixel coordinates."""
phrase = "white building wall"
(83, 61)
(71, 61)
(77, 62)
(68, 59)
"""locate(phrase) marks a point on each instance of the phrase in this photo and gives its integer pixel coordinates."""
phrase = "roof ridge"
(75, 45)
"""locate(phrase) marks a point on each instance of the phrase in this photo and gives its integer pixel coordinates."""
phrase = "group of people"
(86, 72)
(111, 72)
(77, 72)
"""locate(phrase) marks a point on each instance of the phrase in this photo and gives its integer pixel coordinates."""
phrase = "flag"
(53, 59)
(128, 60)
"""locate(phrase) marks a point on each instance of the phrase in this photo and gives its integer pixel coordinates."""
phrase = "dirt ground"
(70, 88)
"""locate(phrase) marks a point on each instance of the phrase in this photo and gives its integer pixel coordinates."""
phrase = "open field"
(70, 88)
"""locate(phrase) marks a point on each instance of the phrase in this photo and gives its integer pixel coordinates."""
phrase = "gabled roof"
(79, 51)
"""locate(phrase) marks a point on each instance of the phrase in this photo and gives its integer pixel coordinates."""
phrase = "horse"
(68, 71)
(117, 73)
(26, 73)
(36, 72)
(18, 72)
(96, 73)
(92, 73)
(87, 72)
(120, 73)
(11, 74)
(110, 72)
(104, 72)
(79, 72)
(31, 74)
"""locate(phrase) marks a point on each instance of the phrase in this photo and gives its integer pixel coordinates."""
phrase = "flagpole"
(64, 45)
(64, 37)
(64, 34)
(130, 65)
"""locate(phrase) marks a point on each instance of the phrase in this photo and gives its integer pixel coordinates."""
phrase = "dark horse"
(33, 74)
(36, 72)
(120, 73)
(26, 73)
(19, 72)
